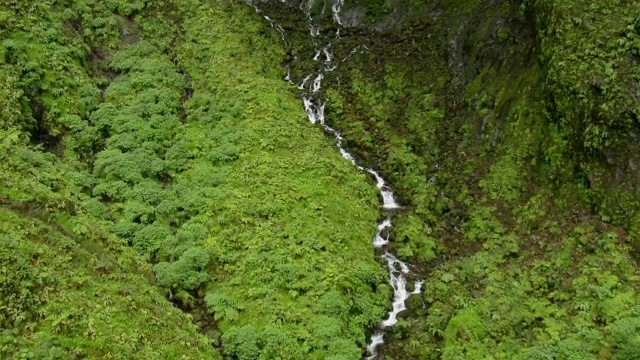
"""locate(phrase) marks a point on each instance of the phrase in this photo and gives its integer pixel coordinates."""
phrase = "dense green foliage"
(165, 130)
(509, 128)
(589, 50)
(149, 151)
(69, 288)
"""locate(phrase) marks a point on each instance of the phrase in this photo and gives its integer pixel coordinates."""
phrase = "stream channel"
(314, 105)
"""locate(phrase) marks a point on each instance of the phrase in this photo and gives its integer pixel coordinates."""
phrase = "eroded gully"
(314, 105)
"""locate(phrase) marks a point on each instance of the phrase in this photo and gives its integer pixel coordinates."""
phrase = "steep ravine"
(183, 152)
(314, 105)
(515, 171)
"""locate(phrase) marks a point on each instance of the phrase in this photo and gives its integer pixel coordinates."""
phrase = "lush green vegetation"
(138, 134)
(510, 130)
(162, 194)
(70, 289)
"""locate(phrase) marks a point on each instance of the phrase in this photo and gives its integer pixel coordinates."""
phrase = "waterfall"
(314, 105)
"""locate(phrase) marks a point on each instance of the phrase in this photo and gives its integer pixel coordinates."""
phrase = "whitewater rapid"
(314, 106)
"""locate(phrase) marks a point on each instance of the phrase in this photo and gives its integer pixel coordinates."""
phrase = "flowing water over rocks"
(314, 106)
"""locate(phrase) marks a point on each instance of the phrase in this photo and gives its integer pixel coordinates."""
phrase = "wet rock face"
(380, 15)
(353, 17)
(384, 233)
(316, 9)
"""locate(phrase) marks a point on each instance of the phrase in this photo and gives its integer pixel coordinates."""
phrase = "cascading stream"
(314, 107)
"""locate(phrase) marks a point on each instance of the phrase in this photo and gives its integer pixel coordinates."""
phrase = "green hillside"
(164, 196)
(152, 152)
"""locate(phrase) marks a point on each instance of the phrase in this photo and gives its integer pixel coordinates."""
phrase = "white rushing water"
(314, 106)
(382, 236)
(335, 8)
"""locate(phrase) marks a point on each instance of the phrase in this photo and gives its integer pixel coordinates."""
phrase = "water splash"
(315, 112)
(315, 86)
(377, 339)
(287, 78)
(335, 8)
(327, 54)
(379, 240)
(314, 30)
(388, 200)
(398, 271)
(304, 81)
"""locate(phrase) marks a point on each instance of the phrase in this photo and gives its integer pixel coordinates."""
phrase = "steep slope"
(69, 288)
(152, 148)
(508, 128)
(521, 169)
(165, 129)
